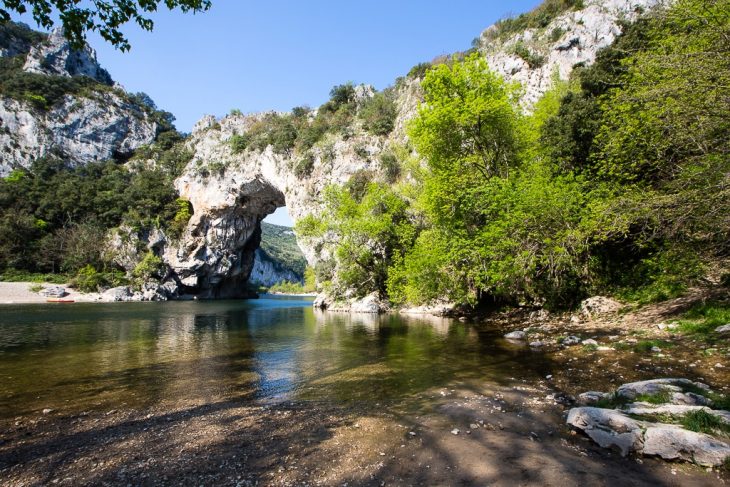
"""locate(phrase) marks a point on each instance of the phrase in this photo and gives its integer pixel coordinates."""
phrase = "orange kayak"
(59, 300)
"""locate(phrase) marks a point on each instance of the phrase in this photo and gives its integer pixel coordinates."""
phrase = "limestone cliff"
(88, 119)
(232, 191)
(233, 187)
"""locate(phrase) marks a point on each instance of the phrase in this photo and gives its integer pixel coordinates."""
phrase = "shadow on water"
(232, 391)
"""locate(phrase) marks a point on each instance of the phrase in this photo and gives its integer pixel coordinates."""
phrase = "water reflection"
(140, 354)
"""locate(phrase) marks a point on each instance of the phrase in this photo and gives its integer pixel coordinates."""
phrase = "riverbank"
(22, 293)
(464, 434)
(157, 412)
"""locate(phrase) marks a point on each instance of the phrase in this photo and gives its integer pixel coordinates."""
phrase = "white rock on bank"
(608, 428)
(659, 386)
(591, 397)
(672, 442)
(599, 305)
(515, 335)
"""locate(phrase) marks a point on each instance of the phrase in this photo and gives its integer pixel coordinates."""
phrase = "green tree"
(106, 18)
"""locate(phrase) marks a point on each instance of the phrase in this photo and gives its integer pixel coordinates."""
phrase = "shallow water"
(100, 356)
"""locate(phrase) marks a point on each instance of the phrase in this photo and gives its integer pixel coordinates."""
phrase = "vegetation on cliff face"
(618, 182)
(55, 217)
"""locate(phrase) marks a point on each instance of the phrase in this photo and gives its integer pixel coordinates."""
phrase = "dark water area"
(83, 357)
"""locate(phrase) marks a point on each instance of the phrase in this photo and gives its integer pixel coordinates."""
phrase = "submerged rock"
(515, 335)
(570, 341)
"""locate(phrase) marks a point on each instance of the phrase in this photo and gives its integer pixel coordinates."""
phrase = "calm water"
(92, 356)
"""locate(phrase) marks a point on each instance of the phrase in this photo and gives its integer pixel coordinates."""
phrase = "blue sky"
(278, 54)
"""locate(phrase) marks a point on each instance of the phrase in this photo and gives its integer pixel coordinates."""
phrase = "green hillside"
(280, 244)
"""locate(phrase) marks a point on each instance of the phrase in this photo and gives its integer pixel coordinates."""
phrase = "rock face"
(267, 272)
(231, 192)
(80, 129)
(614, 428)
(582, 33)
(55, 57)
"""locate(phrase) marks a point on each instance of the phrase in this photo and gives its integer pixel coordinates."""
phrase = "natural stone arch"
(231, 193)
(216, 253)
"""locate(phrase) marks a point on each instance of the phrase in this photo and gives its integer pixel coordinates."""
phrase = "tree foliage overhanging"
(104, 17)
(619, 181)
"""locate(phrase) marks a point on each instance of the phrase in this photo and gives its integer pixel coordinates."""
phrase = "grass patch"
(704, 422)
(13, 275)
(702, 319)
(658, 398)
(35, 288)
(645, 346)
(613, 401)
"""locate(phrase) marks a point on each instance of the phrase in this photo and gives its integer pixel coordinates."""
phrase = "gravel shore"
(20, 293)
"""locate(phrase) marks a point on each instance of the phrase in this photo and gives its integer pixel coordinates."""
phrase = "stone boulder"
(723, 329)
(591, 397)
(613, 429)
(117, 294)
(599, 305)
(515, 335)
(675, 387)
(672, 442)
(677, 410)
(608, 428)
(369, 304)
(53, 292)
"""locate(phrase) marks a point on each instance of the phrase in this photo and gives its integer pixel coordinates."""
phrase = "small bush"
(303, 167)
(378, 113)
(35, 288)
(89, 280)
(532, 59)
(342, 95)
(419, 70)
(362, 152)
(183, 215)
(150, 266)
(239, 143)
(391, 166)
(703, 422)
(556, 34)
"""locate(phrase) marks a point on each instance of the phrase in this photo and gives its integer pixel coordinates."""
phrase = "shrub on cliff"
(378, 113)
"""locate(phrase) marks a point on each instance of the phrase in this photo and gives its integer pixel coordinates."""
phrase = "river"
(100, 356)
(274, 392)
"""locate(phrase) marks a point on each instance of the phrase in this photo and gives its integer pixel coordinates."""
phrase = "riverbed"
(273, 392)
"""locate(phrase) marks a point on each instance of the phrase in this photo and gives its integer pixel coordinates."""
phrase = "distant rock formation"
(95, 124)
